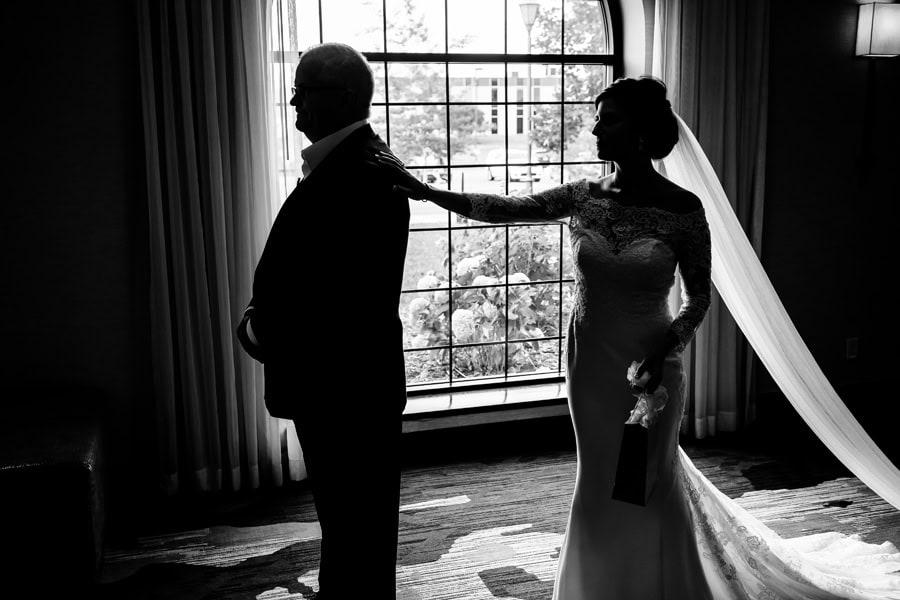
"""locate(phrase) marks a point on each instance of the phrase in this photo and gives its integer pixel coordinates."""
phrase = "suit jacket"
(327, 286)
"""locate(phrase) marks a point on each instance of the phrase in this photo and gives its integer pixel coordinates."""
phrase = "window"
(473, 97)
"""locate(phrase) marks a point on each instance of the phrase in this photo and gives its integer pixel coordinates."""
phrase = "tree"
(585, 34)
(421, 131)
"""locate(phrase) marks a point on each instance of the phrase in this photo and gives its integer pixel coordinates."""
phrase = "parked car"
(517, 172)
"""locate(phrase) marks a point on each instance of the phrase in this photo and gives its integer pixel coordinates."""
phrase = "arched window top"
(573, 28)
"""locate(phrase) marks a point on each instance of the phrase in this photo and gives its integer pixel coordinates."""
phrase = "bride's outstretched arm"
(549, 205)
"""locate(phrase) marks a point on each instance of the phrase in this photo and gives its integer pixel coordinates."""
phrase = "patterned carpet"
(474, 528)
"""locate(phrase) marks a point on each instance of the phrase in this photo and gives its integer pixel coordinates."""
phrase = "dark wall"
(74, 227)
(833, 167)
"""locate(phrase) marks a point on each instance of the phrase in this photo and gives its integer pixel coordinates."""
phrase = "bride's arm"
(694, 254)
(695, 264)
(549, 205)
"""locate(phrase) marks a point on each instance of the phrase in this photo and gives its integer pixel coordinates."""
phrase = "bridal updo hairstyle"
(644, 101)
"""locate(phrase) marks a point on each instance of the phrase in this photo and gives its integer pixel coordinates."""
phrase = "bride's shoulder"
(598, 188)
(679, 200)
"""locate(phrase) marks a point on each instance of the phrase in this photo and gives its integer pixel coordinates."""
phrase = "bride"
(629, 232)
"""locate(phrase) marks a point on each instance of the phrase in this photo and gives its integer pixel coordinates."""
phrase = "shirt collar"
(315, 153)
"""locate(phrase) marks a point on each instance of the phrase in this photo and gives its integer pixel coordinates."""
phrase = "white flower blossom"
(518, 278)
(419, 341)
(469, 265)
(441, 297)
(428, 281)
(418, 306)
(464, 326)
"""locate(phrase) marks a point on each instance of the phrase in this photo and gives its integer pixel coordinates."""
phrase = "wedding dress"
(690, 542)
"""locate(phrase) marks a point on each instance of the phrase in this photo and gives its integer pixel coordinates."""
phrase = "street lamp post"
(529, 16)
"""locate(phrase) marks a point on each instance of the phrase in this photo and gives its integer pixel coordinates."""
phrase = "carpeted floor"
(479, 521)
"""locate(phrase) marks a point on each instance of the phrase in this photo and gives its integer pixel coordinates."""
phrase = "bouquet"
(636, 468)
(649, 405)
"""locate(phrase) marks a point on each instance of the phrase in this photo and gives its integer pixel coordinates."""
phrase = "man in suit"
(324, 322)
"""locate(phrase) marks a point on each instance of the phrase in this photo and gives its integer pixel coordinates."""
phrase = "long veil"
(744, 286)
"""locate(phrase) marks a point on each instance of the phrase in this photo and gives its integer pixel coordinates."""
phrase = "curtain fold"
(204, 76)
(713, 56)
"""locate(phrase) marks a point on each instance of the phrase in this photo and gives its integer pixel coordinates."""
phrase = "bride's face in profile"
(613, 130)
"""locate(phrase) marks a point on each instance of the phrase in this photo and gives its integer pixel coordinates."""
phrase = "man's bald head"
(338, 64)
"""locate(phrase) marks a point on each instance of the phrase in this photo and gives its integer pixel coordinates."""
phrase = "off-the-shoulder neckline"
(587, 191)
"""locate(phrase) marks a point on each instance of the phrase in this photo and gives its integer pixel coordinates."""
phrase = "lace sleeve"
(694, 262)
(549, 205)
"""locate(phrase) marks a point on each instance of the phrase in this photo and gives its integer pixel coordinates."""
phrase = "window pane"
(534, 310)
(424, 215)
(425, 318)
(471, 134)
(586, 27)
(479, 361)
(378, 120)
(295, 25)
(475, 26)
(540, 141)
(378, 69)
(581, 145)
(568, 271)
(538, 356)
(584, 82)
(545, 80)
(479, 252)
(477, 179)
(545, 31)
(419, 135)
(426, 266)
(417, 82)
(479, 314)
(427, 366)
(587, 171)
(364, 31)
(534, 252)
(415, 26)
(482, 82)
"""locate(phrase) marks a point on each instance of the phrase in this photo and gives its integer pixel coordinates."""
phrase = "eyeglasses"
(303, 89)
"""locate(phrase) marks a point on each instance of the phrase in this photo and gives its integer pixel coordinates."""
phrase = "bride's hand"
(652, 366)
(404, 181)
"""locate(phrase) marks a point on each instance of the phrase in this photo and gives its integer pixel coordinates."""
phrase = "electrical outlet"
(852, 347)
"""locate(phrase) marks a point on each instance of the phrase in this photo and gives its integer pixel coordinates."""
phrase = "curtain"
(713, 56)
(204, 77)
(742, 282)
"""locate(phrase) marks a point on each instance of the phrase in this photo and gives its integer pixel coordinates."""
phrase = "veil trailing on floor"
(744, 286)
(741, 557)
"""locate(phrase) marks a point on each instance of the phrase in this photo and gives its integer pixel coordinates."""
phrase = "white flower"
(518, 278)
(419, 341)
(485, 280)
(441, 297)
(428, 281)
(633, 379)
(463, 324)
(469, 265)
(648, 407)
(418, 306)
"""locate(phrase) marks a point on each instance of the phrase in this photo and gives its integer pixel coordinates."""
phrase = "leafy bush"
(485, 314)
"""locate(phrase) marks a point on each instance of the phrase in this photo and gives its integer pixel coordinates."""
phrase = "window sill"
(475, 407)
